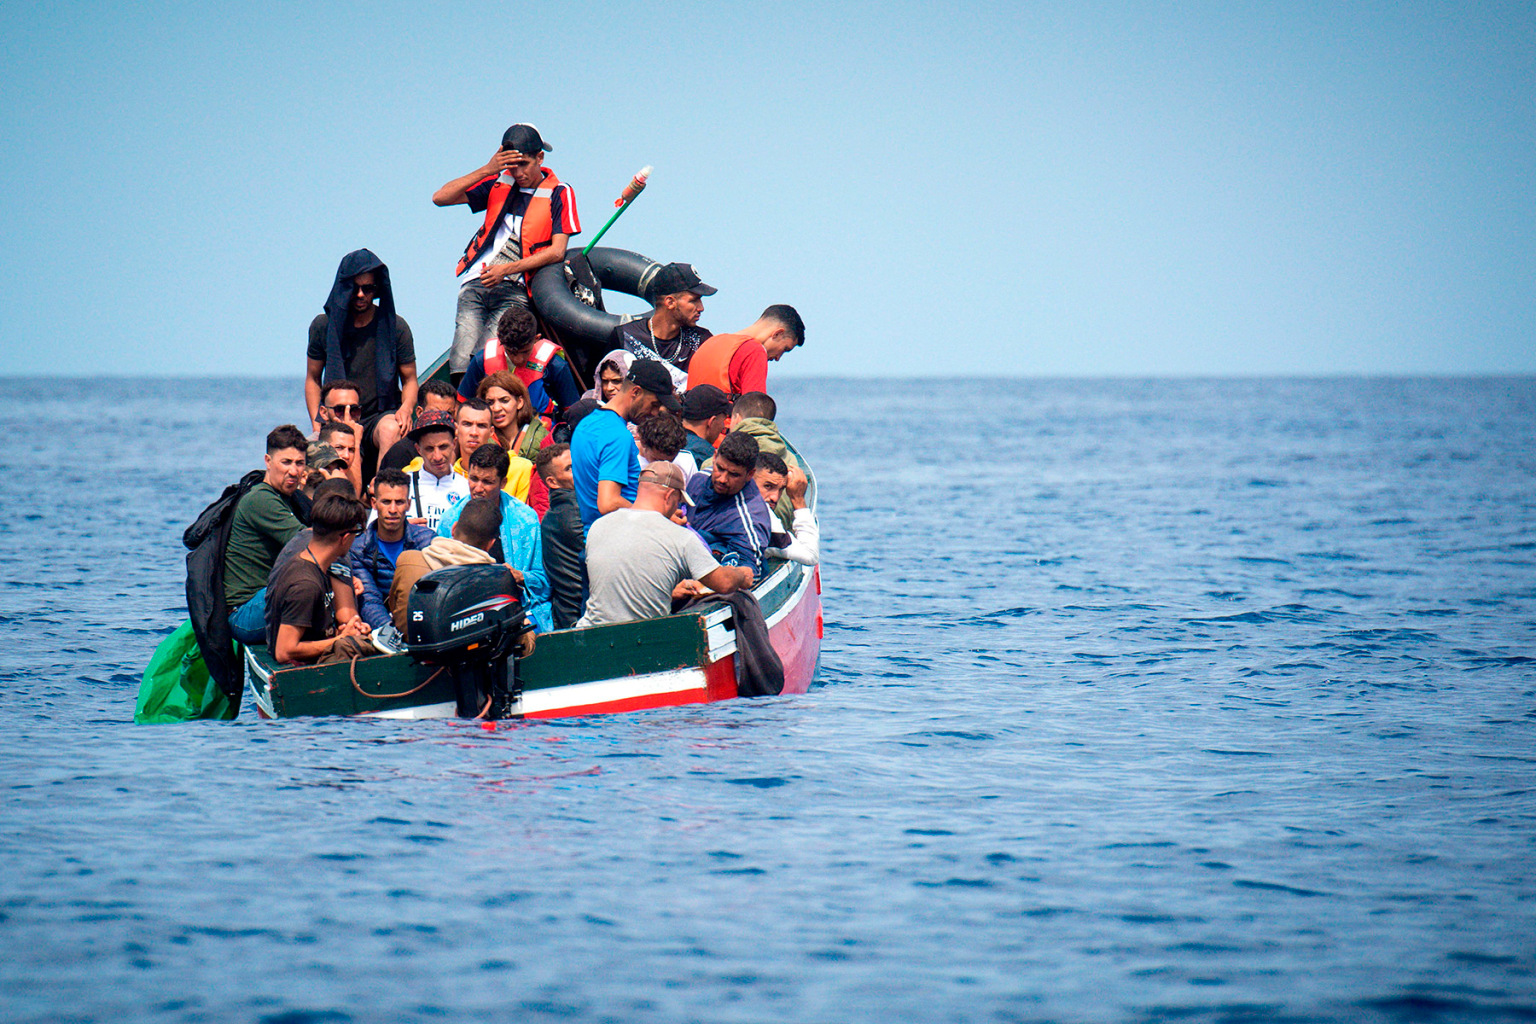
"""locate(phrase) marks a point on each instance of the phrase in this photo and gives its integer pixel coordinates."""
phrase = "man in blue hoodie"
(376, 549)
(727, 511)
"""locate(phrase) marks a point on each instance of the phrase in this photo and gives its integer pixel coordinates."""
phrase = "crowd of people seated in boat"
(666, 480)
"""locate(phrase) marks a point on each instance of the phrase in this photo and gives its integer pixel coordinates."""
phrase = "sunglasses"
(366, 289)
(342, 410)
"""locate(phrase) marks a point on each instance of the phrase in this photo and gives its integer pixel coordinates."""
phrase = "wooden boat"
(687, 658)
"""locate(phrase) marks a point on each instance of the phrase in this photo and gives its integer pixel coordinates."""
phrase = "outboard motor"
(467, 618)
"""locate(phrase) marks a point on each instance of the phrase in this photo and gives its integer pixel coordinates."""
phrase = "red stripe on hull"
(720, 679)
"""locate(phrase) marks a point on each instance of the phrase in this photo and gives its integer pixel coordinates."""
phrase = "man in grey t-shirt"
(638, 559)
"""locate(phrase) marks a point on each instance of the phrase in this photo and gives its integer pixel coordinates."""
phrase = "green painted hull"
(561, 659)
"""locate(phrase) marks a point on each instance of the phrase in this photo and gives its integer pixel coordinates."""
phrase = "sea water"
(1186, 700)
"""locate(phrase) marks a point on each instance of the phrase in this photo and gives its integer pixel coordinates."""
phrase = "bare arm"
(797, 485)
(726, 579)
(312, 370)
(495, 273)
(290, 647)
(408, 389)
(345, 601)
(455, 191)
(610, 497)
(355, 468)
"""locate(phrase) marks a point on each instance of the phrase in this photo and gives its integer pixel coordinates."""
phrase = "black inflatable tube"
(617, 269)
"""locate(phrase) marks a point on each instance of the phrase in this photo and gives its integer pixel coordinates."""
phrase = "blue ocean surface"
(1203, 700)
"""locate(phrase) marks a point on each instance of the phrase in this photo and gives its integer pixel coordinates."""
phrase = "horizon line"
(1108, 375)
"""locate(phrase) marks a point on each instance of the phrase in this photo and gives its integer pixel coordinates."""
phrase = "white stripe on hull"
(448, 709)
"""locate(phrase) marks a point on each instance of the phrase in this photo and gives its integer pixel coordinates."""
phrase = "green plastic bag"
(176, 686)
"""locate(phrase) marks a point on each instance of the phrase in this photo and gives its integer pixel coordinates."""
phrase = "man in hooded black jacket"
(359, 337)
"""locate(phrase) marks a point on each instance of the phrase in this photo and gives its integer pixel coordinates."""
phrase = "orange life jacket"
(495, 356)
(538, 220)
(711, 364)
(544, 352)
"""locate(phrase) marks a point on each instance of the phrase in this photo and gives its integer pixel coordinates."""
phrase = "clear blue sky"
(1006, 189)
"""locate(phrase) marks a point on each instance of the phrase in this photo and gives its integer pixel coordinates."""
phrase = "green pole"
(630, 193)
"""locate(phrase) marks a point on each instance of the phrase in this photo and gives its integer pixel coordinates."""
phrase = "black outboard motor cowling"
(468, 618)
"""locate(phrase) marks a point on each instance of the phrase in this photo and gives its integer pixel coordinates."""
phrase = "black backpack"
(206, 540)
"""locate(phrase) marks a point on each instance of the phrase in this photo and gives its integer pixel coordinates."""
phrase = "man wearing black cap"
(671, 334)
(705, 411)
(605, 464)
(530, 214)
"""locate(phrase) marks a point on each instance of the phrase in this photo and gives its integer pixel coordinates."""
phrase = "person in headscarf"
(610, 375)
(359, 340)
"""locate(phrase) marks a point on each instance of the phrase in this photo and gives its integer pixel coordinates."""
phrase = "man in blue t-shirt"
(605, 463)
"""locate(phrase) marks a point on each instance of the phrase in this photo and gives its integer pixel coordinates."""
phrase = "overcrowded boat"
(694, 655)
(566, 512)
(689, 657)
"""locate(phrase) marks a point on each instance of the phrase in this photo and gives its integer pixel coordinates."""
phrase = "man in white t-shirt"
(638, 560)
(530, 215)
(434, 484)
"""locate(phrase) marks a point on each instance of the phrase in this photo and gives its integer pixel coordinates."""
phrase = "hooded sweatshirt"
(413, 565)
(389, 332)
(522, 548)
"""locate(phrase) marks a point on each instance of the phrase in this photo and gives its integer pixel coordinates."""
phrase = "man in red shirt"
(738, 363)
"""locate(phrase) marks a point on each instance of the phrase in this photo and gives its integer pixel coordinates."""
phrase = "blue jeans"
(479, 312)
(249, 621)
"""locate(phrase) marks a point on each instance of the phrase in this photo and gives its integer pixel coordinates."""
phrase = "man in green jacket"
(263, 522)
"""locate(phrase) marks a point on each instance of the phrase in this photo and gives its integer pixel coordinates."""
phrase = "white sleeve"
(806, 547)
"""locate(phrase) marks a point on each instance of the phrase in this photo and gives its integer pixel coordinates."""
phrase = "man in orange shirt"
(738, 363)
